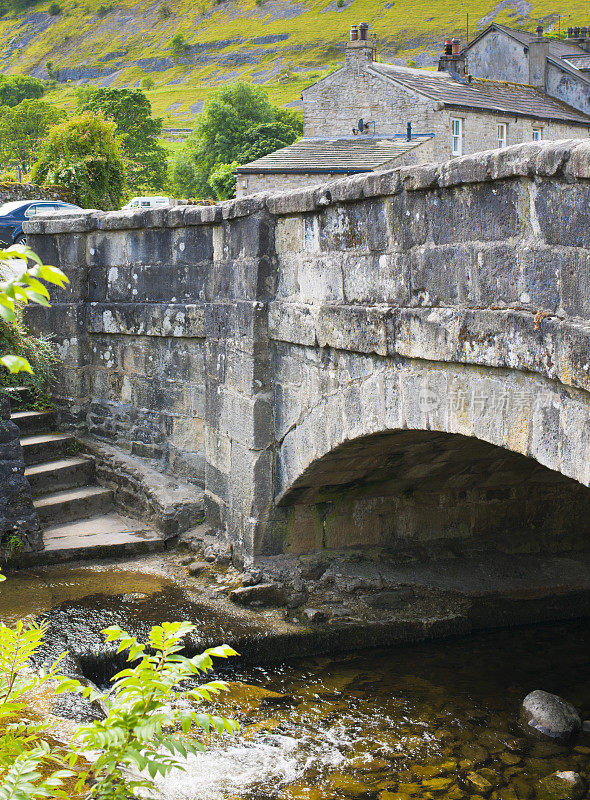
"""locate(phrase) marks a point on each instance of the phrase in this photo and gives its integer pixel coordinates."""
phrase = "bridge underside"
(408, 496)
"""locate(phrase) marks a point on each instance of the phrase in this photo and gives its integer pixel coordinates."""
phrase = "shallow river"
(436, 720)
(415, 722)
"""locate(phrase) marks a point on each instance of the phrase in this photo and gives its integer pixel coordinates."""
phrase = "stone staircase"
(78, 516)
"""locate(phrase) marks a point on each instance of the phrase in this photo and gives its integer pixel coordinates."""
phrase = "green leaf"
(16, 364)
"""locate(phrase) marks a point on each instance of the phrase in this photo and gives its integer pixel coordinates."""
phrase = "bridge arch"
(426, 459)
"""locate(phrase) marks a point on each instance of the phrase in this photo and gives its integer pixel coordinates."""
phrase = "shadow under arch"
(408, 495)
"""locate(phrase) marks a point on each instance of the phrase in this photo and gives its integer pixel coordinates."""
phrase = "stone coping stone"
(567, 159)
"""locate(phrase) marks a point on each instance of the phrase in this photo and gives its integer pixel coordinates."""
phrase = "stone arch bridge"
(393, 364)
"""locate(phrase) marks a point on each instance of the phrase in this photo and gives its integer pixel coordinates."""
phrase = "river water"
(435, 720)
(425, 721)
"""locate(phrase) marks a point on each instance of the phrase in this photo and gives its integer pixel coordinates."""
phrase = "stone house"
(368, 116)
(559, 68)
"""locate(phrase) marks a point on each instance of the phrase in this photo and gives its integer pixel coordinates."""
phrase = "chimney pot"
(539, 30)
(583, 32)
(576, 33)
(448, 47)
(456, 45)
(363, 28)
(354, 33)
(570, 33)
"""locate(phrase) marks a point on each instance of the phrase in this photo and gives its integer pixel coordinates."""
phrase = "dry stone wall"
(293, 339)
(31, 191)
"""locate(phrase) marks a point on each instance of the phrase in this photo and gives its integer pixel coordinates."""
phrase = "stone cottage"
(369, 116)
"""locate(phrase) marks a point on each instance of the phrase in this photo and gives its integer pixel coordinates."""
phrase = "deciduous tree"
(83, 154)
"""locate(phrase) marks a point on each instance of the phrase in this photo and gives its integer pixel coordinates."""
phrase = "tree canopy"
(23, 129)
(137, 130)
(16, 88)
(238, 124)
(83, 154)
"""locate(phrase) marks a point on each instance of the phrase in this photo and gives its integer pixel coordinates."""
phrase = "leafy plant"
(136, 130)
(23, 129)
(238, 123)
(179, 45)
(147, 83)
(24, 752)
(223, 180)
(83, 154)
(52, 73)
(54, 9)
(164, 11)
(147, 702)
(16, 88)
(20, 285)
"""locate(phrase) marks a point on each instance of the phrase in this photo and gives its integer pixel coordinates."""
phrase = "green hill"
(283, 44)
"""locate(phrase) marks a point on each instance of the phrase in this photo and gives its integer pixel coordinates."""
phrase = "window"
(537, 135)
(457, 132)
(502, 135)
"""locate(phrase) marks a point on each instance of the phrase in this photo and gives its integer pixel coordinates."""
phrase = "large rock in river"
(561, 786)
(548, 715)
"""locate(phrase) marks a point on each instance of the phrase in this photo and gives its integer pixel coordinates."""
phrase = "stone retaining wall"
(248, 345)
(31, 191)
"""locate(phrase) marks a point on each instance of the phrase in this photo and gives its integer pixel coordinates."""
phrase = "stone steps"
(102, 536)
(34, 421)
(77, 515)
(45, 447)
(63, 473)
(73, 504)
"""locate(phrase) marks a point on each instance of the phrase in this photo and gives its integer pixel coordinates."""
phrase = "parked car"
(147, 202)
(12, 216)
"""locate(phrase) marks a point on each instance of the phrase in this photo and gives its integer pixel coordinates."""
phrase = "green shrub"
(83, 154)
(54, 9)
(223, 180)
(179, 45)
(39, 351)
(164, 11)
(104, 9)
(145, 708)
(339, 3)
(411, 62)
(147, 83)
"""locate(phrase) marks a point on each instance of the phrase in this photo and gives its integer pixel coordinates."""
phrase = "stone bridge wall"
(275, 348)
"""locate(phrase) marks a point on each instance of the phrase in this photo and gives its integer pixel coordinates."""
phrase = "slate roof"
(581, 62)
(347, 154)
(482, 93)
(561, 51)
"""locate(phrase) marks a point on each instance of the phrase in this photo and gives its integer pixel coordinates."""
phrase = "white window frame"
(537, 134)
(457, 136)
(502, 135)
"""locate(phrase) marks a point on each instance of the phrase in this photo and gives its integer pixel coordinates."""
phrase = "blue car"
(12, 216)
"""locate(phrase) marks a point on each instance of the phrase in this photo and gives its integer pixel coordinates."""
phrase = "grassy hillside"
(283, 44)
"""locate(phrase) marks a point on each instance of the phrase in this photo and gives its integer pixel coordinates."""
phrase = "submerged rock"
(548, 715)
(561, 786)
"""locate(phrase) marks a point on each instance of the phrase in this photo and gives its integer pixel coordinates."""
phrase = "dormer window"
(502, 135)
(457, 134)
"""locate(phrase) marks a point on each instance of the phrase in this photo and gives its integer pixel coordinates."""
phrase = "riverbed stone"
(548, 715)
(263, 594)
(561, 786)
(480, 783)
(197, 567)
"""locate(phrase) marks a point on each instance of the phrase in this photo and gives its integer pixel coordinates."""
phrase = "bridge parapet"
(244, 345)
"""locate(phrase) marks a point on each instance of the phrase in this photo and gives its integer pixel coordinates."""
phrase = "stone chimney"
(360, 49)
(453, 58)
(580, 36)
(538, 52)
